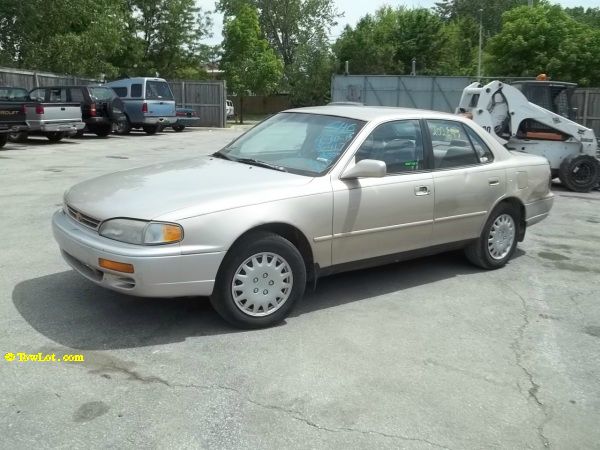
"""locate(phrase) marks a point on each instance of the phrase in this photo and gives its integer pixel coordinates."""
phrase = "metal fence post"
(586, 101)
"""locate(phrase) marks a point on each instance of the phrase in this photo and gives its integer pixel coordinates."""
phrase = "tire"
(265, 248)
(579, 173)
(55, 136)
(3, 139)
(123, 127)
(151, 129)
(178, 128)
(504, 222)
(80, 133)
(18, 136)
(102, 130)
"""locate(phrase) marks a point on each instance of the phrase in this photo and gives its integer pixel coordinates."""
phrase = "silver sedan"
(304, 194)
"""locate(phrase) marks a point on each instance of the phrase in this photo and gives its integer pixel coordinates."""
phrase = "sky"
(355, 9)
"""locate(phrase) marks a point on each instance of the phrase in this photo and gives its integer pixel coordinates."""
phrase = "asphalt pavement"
(430, 353)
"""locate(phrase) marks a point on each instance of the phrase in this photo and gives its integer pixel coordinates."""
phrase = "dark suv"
(100, 106)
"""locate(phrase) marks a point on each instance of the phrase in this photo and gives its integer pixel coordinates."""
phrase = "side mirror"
(365, 168)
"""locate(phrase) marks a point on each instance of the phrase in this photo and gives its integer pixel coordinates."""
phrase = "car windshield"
(158, 90)
(14, 94)
(102, 93)
(306, 144)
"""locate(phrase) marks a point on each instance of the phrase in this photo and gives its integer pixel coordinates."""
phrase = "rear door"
(467, 183)
(160, 99)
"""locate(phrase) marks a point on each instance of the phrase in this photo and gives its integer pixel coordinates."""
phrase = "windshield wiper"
(256, 162)
(223, 156)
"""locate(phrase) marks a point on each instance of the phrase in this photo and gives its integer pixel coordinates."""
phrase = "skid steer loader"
(536, 117)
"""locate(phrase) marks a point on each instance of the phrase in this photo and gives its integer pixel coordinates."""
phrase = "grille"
(83, 219)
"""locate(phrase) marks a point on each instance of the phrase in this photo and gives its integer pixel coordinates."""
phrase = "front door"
(383, 216)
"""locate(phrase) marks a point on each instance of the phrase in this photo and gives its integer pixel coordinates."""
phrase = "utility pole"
(480, 43)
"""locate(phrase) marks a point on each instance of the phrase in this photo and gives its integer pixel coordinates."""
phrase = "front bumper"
(537, 211)
(159, 271)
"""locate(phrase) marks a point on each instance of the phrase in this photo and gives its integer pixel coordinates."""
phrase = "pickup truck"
(101, 108)
(54, 119)
(12, 113)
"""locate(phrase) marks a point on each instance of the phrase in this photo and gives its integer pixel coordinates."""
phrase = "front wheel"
(55, 136)
(579, 173)
(151, 129)
(123, 127)
(498, 239)
(260, 280)
(3, 139)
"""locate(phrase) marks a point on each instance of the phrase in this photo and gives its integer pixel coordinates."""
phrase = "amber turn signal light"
(114, 265)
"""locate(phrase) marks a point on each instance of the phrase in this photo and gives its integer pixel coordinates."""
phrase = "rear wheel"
(579, 173)
(178, 128)
(55, 136)
(151, 129)
(123, 127)
(498, 239)
(260, 280)
(17, 136)
(3, 139)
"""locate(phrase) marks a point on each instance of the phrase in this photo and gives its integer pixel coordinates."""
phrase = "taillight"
(23, 109)
(180, 114)
(93, 110)
(39, 109)
(144, 107)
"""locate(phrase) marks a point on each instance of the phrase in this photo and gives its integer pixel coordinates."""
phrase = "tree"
(460, 51)
(544, 39)
(589, 16)
(249, 63)
(310, 75)
(491, 14)
(165, 37)
(289, 24)
(388, 41)
(63, 36)
(370, 47)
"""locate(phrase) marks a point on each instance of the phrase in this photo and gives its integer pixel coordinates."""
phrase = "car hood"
(203, 184)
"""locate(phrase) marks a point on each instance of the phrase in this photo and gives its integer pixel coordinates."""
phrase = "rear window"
(158, 90)
(136, 90)
(58, 95)
(101, 93)
(13, 94)
(77, 95)
(120, 91)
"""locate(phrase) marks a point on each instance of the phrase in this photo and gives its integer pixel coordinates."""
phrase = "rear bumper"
(54, 127)
(537, 211)
(159, 271)
(95, 121)
(13, 128)
(159, 121)
(188, 121)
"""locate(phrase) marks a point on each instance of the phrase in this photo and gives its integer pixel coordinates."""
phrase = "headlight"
(141, 232)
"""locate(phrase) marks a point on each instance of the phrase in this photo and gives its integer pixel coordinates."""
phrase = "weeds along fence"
(205, 97)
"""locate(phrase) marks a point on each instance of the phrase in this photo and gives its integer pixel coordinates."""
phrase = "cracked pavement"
(425, 354)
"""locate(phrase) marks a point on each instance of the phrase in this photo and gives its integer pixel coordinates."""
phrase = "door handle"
(494, 181)
(422, 190)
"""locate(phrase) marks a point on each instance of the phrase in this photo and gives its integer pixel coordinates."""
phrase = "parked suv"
(149, 104)
(100, 106)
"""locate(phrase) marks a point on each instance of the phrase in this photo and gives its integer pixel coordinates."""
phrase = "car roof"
(370, 113)
(135, 80)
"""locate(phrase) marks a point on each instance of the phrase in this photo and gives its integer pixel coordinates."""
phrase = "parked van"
(149, 104)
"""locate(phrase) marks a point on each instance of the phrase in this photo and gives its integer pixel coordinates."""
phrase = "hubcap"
(583, 172)
(262, 284)
(501, 237)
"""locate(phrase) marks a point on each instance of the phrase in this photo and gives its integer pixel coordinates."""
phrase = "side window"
(120, 91)
(398, 144)
(136, 90)
(58, 95)
(451, 145)
(482, 150)
(38, 95)
(77, 95)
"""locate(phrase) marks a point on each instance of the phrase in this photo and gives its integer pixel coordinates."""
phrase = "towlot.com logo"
(42, 357)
